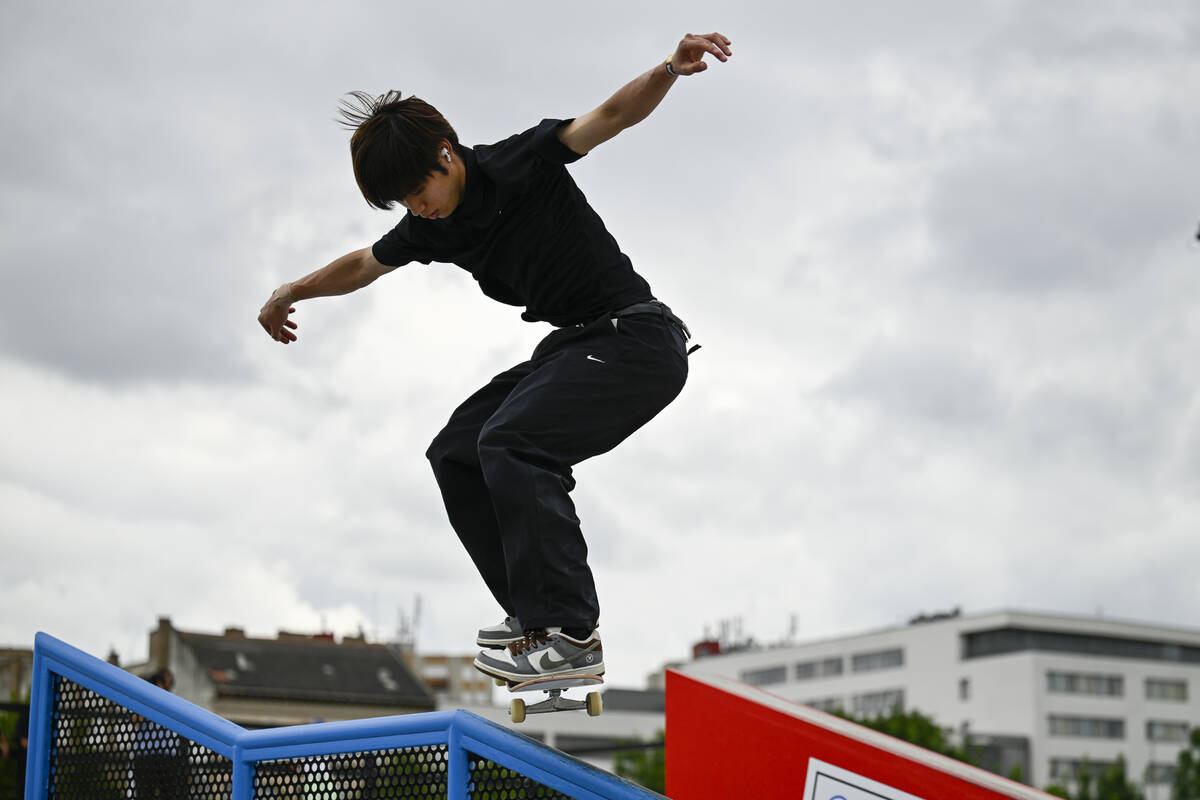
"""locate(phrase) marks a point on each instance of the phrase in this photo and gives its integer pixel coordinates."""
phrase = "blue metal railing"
(460, 732)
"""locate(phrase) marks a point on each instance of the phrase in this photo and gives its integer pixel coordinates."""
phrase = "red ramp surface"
(729, 740)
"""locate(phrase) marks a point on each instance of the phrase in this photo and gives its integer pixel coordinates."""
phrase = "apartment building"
(1042, 692)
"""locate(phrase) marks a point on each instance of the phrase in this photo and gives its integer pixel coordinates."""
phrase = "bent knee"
(493, 438)
(450, 448)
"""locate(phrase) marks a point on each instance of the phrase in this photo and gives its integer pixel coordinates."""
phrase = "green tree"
(1187, 771)
(1110, 784)
(914, 728)
(10, 742)
(8, 765)
(646, 766)
(1114, 784)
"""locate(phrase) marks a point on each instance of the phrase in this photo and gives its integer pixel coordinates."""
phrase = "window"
(1159, 731)
(873, 704)
(762, 677)
(1072, 769)
(964, 689)
(1160, 773)
(1162, 689)
(821, 668)
(1085, 683)
(980, 644)
(829, 704)
(1087, 727)
(879, 659)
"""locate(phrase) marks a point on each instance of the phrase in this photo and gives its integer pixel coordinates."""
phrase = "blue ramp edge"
(460, 732)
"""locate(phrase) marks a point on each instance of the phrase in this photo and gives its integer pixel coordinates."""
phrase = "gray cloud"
(942, 273)
(923, 386)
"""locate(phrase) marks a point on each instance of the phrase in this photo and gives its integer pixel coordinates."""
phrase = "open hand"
(688, 58)
(274, 317)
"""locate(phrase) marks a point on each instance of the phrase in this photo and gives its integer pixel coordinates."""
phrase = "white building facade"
(1044, 692)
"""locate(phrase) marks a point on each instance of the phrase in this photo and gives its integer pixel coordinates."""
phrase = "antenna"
(403, 632)
(416, 620)
(408, 625)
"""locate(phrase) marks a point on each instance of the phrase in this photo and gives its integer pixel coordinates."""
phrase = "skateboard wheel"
(500, 681)
(594, 704)
(516, 710)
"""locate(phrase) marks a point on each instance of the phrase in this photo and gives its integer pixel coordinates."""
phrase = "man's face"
(440, 194)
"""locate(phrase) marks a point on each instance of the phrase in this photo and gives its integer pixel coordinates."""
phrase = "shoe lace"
(529, 641)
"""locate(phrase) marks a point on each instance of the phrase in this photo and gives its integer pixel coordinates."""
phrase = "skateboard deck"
(553, 685)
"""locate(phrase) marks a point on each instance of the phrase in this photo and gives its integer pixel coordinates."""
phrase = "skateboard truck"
(553, 685)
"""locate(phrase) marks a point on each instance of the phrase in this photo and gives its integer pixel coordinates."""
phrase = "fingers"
(285, 335)
(285, 332)
(691, 52)
(717, 44)
(279, 329)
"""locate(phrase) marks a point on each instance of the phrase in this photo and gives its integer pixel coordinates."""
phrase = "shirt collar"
(474, 190)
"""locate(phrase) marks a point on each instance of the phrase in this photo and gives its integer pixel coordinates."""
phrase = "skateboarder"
(511, 215)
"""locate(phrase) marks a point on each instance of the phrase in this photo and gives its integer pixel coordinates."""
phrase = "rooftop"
(299, 667)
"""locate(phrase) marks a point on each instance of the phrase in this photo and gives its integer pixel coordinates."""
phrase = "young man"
(511, 215)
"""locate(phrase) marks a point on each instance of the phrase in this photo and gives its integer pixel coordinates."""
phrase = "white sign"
(827, 782)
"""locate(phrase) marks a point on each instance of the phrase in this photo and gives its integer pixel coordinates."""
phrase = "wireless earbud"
(446, 153)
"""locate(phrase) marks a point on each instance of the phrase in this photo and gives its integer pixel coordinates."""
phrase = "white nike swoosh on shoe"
(597, 360)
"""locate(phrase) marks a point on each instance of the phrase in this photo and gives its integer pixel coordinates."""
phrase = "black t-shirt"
(526, 233)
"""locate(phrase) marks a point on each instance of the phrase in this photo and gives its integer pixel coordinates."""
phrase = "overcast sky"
(941, 258)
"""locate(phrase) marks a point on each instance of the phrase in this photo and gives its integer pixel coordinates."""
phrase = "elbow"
(369, 268)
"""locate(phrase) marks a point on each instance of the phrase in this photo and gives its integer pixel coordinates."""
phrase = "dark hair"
(395, 143)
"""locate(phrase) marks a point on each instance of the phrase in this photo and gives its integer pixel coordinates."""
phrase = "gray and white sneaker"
(501, 635)
(542, 653)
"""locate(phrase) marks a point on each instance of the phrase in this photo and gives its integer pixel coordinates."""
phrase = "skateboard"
(553, 685)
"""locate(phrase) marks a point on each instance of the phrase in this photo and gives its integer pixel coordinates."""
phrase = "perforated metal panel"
(86, 745)
(417, 772)
(414, 772)
(491, 781)
(101, 750)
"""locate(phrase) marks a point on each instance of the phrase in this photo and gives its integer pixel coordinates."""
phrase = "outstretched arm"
(634, 101)
(341, 276)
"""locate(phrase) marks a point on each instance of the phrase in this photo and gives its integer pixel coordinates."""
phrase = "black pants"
(503, 462)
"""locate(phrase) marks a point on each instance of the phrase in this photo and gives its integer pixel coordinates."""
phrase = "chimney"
(160, 644)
